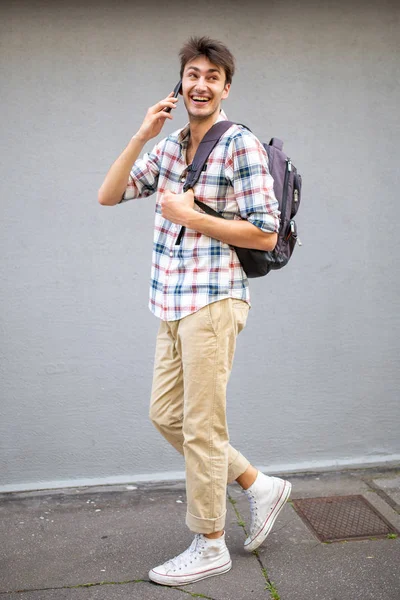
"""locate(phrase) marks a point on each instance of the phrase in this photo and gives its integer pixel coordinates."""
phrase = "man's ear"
(225, 93)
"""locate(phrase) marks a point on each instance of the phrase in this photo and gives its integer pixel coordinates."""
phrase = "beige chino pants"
(193, 362)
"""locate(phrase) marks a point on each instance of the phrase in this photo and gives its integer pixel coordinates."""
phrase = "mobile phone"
(177, 89)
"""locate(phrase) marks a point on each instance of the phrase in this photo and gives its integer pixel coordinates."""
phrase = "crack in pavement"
(99, 583)
(76, 586)
(285, 525)
(380, 492)
(269, 584)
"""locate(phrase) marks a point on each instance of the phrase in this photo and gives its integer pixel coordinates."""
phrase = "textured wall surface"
(316, 377)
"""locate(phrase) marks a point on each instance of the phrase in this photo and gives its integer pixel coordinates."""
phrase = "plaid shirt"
(236, 183)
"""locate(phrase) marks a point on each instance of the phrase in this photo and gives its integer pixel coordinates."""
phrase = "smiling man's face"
(203, 88)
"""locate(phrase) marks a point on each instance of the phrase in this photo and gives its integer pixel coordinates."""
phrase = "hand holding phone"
(157, 115)
(177, 90)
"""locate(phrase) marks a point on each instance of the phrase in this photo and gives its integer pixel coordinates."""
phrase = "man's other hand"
(177, 208)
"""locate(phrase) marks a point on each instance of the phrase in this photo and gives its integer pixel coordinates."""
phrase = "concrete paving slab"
(326, 484)
(130, 591)
(390, 485)
(367, 570)
(71, 538)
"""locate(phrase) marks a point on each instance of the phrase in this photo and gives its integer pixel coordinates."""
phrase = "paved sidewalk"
(99, 543)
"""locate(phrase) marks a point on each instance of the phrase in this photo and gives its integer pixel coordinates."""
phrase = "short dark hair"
(215, 51)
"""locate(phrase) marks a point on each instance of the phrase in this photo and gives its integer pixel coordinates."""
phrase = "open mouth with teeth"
(198, 100)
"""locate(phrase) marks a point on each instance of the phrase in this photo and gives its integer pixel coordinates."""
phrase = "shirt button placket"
(166, 284)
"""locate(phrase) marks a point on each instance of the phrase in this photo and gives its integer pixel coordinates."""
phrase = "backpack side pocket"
(296, 194)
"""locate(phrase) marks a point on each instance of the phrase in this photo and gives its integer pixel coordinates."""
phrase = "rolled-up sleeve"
(143, 178)
(252, 182)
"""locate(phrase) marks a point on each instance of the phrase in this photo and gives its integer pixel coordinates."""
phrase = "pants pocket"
(214, 315)
(240, 313)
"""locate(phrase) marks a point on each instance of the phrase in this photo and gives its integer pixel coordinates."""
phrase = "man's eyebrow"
(209, 70)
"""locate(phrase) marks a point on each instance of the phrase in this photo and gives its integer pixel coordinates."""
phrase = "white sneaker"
(267, 496)
(204, 558)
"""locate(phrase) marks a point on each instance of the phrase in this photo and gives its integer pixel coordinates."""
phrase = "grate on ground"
(339, 518)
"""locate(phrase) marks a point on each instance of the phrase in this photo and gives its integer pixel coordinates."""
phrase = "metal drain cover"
(339, 518)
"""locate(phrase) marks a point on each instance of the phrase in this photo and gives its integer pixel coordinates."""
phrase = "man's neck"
(198, 129)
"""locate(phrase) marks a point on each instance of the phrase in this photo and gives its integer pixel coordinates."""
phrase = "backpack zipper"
(293, 233)
(285, 187)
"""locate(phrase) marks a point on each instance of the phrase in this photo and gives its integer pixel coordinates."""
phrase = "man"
(200, 292)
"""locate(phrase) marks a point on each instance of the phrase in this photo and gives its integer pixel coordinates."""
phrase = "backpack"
(287, 188)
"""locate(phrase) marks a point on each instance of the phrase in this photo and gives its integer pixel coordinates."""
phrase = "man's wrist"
(193, 219)
(192, 214)
(139, 137)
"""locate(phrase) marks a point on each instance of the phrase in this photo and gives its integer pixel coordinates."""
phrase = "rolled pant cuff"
(237, 467)
(199, 525)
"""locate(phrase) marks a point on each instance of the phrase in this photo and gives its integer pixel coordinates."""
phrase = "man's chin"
(199, 115)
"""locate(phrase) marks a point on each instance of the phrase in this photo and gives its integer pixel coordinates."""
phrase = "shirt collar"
(183, 136)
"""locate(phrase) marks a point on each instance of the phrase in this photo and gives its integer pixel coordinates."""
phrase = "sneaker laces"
(253, 506)
(186, 557)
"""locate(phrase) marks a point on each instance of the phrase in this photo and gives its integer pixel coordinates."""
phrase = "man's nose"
(201, 83)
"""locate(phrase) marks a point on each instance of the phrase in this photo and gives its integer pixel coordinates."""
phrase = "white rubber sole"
(185, 580)
(258, 539)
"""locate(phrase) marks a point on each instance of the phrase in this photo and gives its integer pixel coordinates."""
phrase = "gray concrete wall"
(316, 378)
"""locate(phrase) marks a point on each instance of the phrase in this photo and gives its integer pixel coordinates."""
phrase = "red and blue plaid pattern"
(236, 183)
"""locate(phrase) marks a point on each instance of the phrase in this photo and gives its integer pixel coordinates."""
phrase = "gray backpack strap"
(276, 143)
(206, 146)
